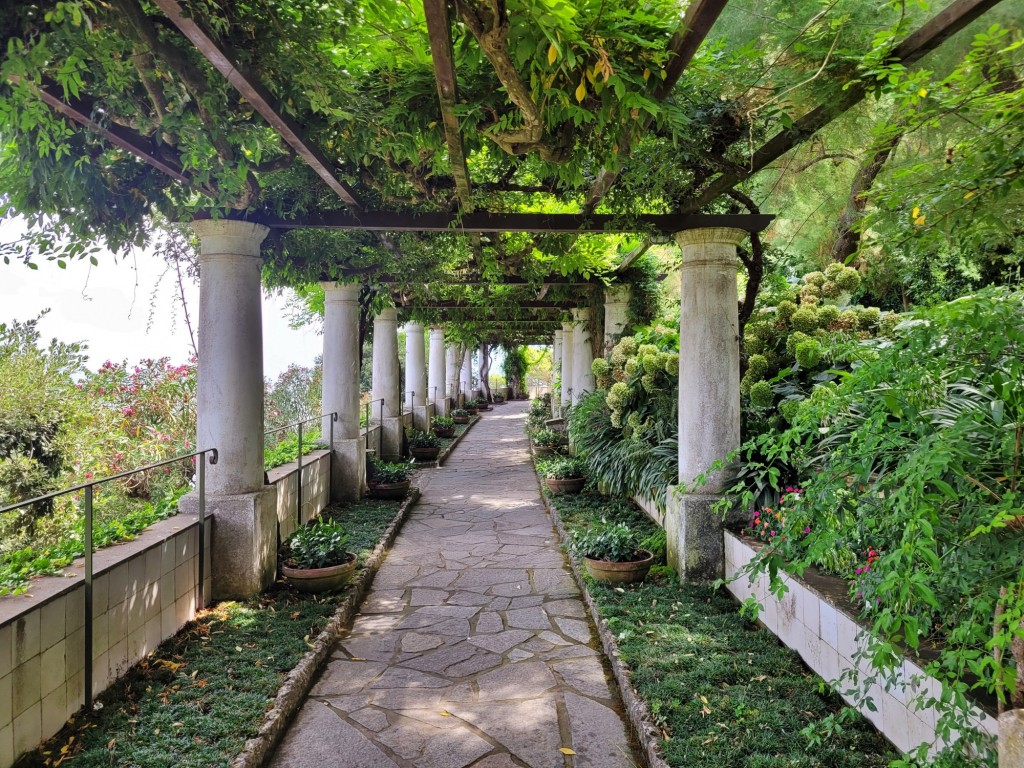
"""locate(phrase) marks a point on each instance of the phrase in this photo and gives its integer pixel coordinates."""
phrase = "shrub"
(547, 438)
(443, 422)
(319, 544)
(614, 542)
(387, 472)
(562, 468)
(419, 438)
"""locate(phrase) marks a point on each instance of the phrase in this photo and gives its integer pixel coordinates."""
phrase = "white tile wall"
(828, 640)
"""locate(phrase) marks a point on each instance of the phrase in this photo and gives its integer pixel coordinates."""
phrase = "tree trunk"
(485, 370)
(847, 230)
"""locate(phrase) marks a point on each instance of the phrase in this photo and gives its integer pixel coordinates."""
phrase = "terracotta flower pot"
(390, 490)
(425, 454)
(321, 579)
(543, 450)
(619, 573)
(460, 419)
(473, 411)
(565, 485)
(444, 432)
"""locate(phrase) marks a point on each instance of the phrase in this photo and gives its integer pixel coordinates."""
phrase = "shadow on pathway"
(473, 647)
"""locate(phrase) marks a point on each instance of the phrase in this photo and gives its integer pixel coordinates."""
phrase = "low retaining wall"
(143, 592)
(316, 490)
(818, 622)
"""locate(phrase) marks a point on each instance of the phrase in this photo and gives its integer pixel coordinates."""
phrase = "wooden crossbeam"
(925, 39)
(700, 17)
(83, 110)
(534, 306)
(439, 30)
(259, 97)
(503, 280)
(485, 221)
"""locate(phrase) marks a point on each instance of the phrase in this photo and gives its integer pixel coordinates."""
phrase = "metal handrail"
(87, 543)
(330, 457)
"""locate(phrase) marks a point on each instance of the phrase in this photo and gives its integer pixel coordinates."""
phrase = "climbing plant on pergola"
(407, 144)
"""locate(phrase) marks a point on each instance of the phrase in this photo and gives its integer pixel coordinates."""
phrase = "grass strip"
(202, 694)
(723, 692)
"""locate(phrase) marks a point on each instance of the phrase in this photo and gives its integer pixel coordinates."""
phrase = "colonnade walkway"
(473, 647)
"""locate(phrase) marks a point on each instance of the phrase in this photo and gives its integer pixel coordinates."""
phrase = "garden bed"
(221, 691)
(701, 682)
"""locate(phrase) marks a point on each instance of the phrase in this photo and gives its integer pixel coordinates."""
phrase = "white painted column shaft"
(451, 373)
(385, 381)
(583, 356)
(568, 345)
(466, 375)
(436, 389)
(340, 392)
(556, 367)
(616, 313)
(415, 375)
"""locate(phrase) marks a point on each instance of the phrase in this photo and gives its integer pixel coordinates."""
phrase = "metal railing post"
(330, 457)
(298, 490)
(380, 432)
(87, 672)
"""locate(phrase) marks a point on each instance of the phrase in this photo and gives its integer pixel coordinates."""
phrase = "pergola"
(245, 228)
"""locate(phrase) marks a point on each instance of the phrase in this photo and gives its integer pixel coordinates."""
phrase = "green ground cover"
(196, 700)
(724, 693)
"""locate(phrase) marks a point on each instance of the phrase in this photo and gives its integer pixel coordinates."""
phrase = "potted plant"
(444, 426)
(460, 415)
(563, 474)
(314, 558)
(611, 553)
(471, 405)
(499, 399)
(546, 442)
(389, 480)
(423, 445)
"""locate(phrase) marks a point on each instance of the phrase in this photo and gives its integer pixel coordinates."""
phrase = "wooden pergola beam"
(259, 97)
(535, 306)
(439, 30)
(922, 41)
(83, 110)
(505, 280)
(630, 258)
(486, 221)
(698, 20)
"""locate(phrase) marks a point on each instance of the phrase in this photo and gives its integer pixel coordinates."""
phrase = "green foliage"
(538, 415)
(515, 367)
(615, 542)
(443, 422)
(129, 518)
(419, 438)
(293, 397)
(916, 456)
(385, 472)
(318, 544)
(548, 438)
(287, 451)
(562, 468)
(462, 413)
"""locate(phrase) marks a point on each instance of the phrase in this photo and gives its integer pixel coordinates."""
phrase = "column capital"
(347, 292)
(618, 294)
(567, 327)
(414, 327)
(387, 315)
(226, 238)
(558, 336)
(581, 315)
(710, 236)
(436, 333)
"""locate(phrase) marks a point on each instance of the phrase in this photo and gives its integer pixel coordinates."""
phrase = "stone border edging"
(640, 720)
(292, 693)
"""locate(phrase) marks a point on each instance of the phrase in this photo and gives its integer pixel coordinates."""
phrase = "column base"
(1011, 738)
(348, 479)
(243, 541)
(392, 429)
(421, 415)
(693, 532)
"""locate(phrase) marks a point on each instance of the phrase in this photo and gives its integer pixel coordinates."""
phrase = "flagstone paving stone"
(473, 648)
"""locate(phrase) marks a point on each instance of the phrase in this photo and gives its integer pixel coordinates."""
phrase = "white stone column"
(466, 375)
(436, 370)
(583, 356)
(556, 367)
(229, 402)
(709, 396)
(568, 347)
(616, 314)
(340, 391)
(416, 375)
(385, 383)
(451, 375)
(1011, 738)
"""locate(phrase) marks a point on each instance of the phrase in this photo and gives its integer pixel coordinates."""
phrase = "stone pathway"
(473, 647)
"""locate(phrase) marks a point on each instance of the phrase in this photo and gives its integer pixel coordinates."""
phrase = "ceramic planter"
(390, 490)
(425, 454)
(619, 573)
(320, 579)
(543, 450)
(566, 485)
(444, 431)
(473, 411)
(460, 419)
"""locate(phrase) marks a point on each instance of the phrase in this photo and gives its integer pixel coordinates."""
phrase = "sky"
(127, 311)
